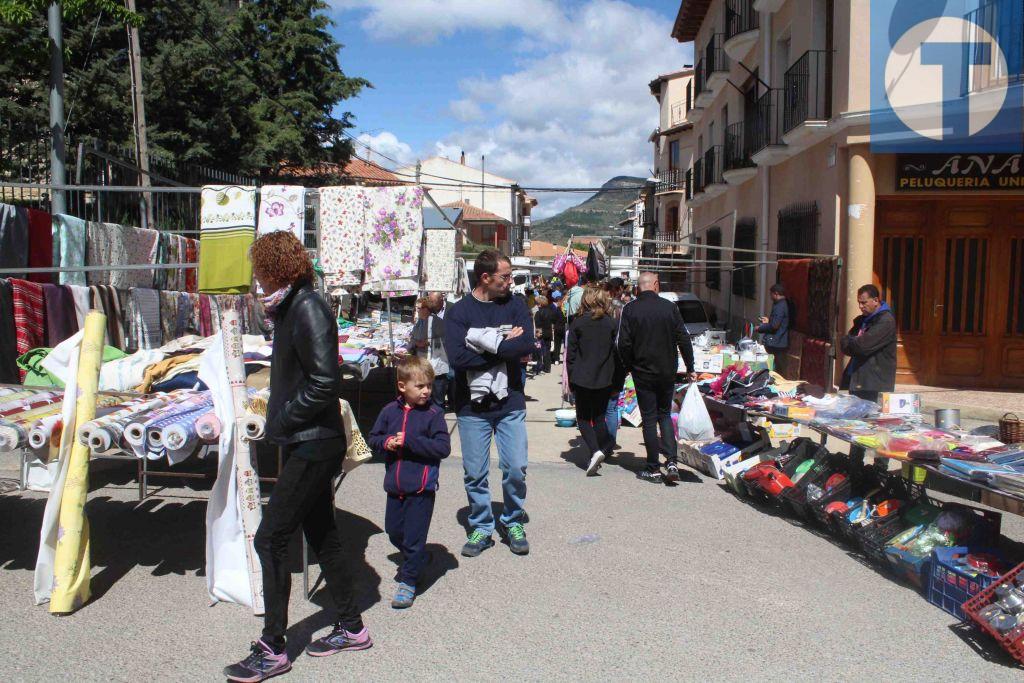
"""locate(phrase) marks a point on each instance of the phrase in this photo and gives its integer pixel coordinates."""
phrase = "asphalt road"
(625, 580)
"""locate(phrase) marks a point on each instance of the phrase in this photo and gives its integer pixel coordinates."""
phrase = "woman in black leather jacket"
(303, 417)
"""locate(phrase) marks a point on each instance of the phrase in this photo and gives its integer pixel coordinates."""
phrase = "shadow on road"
(440, 563)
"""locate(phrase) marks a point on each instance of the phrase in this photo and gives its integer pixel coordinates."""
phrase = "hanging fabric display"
(13, 237)
(144, 318)
(61, 320)
(63, 564)
(28, 315)
(342, 234)
(282, 207)
(227, 219)
(69, 247)
(233, 571)
(394, 238)
(439, 268)
(8, 335)
(40, 244)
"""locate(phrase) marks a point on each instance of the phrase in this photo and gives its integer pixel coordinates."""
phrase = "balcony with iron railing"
(738, 167)
(742, 28)
(699, 84)
(715, 66)
(714, 182)
(767, 147)
(698, 180)
(808, 99)
(688, 184)
(671, 181)
(1004, 21)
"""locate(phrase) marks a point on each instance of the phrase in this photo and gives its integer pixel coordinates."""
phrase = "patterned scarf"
(272, 301)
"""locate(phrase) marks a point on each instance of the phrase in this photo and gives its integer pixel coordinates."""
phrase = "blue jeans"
(476, 433)
(612, 417)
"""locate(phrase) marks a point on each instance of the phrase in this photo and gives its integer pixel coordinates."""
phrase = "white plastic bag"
(694, 422)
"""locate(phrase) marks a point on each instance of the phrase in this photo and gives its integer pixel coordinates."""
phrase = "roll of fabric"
(255, 427)
(45, 430)
(72, 566)
(35, 400)
(176, 436)
(155, 446)
(105, 432)
(14, 432)
(61, 320)
(137, 431)
(40, 244)
(10, 436)
(69, 247)
(208, 427)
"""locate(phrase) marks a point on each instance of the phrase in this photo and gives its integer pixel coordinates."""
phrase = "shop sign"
(945, 172)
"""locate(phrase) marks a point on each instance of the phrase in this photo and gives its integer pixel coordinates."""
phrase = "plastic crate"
(873, 537)
(839, 493)
(915, 569)
(949, 587)
(1012, 642)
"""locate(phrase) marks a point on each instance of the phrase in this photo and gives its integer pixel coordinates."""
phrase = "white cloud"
(424, 21)
(466, 110)
(387, 144)
(573, 110)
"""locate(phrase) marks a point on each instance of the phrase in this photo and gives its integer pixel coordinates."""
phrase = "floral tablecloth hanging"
(439, 267)
(394, 239)
(227, 219)
(342, 235)
(282, 207)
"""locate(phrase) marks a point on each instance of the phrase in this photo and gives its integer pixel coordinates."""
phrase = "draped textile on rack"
(144, 318)
(168, 315)
(163, 255)
(69, 248)
(794, 275)
(110, 244)
(8, 336)
(126, 374)
(40, 244)
(814, 362)
(227, 218)
(283, 207)
(61, 319)
(394, 238)
(28, 316)
(13, 237)
(342, 234)
(82, 296)
(439, 268)
(104, 298)
(191, 256)
(820, 305)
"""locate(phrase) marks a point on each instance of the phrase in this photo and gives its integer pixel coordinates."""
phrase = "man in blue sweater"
(489, 398)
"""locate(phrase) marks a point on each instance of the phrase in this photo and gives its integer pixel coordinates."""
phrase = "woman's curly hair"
(281, 257)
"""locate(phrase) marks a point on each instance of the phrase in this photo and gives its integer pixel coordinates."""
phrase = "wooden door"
(960, 307)
(900, 267)
(953, 271)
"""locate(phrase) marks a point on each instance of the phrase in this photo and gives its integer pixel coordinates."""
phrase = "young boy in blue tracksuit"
(411, 434)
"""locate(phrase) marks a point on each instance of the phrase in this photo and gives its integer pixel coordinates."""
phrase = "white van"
(695, 316)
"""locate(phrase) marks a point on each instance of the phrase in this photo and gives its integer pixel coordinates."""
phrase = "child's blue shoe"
(404, 596)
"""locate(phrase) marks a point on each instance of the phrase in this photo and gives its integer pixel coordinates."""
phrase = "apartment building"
(784, 161)
(673, 157)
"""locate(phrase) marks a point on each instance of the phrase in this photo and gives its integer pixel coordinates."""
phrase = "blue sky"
(553, 92)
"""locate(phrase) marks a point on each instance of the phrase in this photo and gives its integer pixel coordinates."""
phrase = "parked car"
(695, 316)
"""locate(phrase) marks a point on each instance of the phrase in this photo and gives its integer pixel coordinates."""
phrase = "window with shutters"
(798, 230)
(714, 256)
(743, 275)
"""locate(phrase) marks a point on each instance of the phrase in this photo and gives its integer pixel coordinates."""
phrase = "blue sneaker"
(477, 542)
(340, 640)
(404, 596)
(516, 536)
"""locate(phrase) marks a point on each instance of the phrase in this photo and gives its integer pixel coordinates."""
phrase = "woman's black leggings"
(591, 406)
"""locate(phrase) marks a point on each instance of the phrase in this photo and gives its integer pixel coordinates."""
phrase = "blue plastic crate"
(949, 587)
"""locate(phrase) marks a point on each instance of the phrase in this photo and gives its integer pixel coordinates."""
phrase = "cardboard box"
(900, 404)
(784, 430)
(708, 362)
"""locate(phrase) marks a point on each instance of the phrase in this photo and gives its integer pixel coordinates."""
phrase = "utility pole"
(419, 166)
(58, 200)
(483, 165)
(139, 116)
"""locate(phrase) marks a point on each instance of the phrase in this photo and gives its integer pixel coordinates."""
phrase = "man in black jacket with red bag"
(650, 331)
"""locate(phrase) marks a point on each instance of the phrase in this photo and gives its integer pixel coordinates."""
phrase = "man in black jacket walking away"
(650, 331)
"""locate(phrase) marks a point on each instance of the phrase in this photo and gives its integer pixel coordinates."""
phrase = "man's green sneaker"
(477, 542)
(516, 536)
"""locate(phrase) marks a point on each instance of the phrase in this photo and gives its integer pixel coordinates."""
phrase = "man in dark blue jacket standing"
(486, 335)
(775, 328)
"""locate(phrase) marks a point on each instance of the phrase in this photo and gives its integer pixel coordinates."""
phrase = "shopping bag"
(694, 422)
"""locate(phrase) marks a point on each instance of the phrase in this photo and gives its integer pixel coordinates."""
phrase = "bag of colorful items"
(569, 267)
(909, 552)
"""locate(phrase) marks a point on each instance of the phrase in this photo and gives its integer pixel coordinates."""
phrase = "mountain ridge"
(598, 214)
